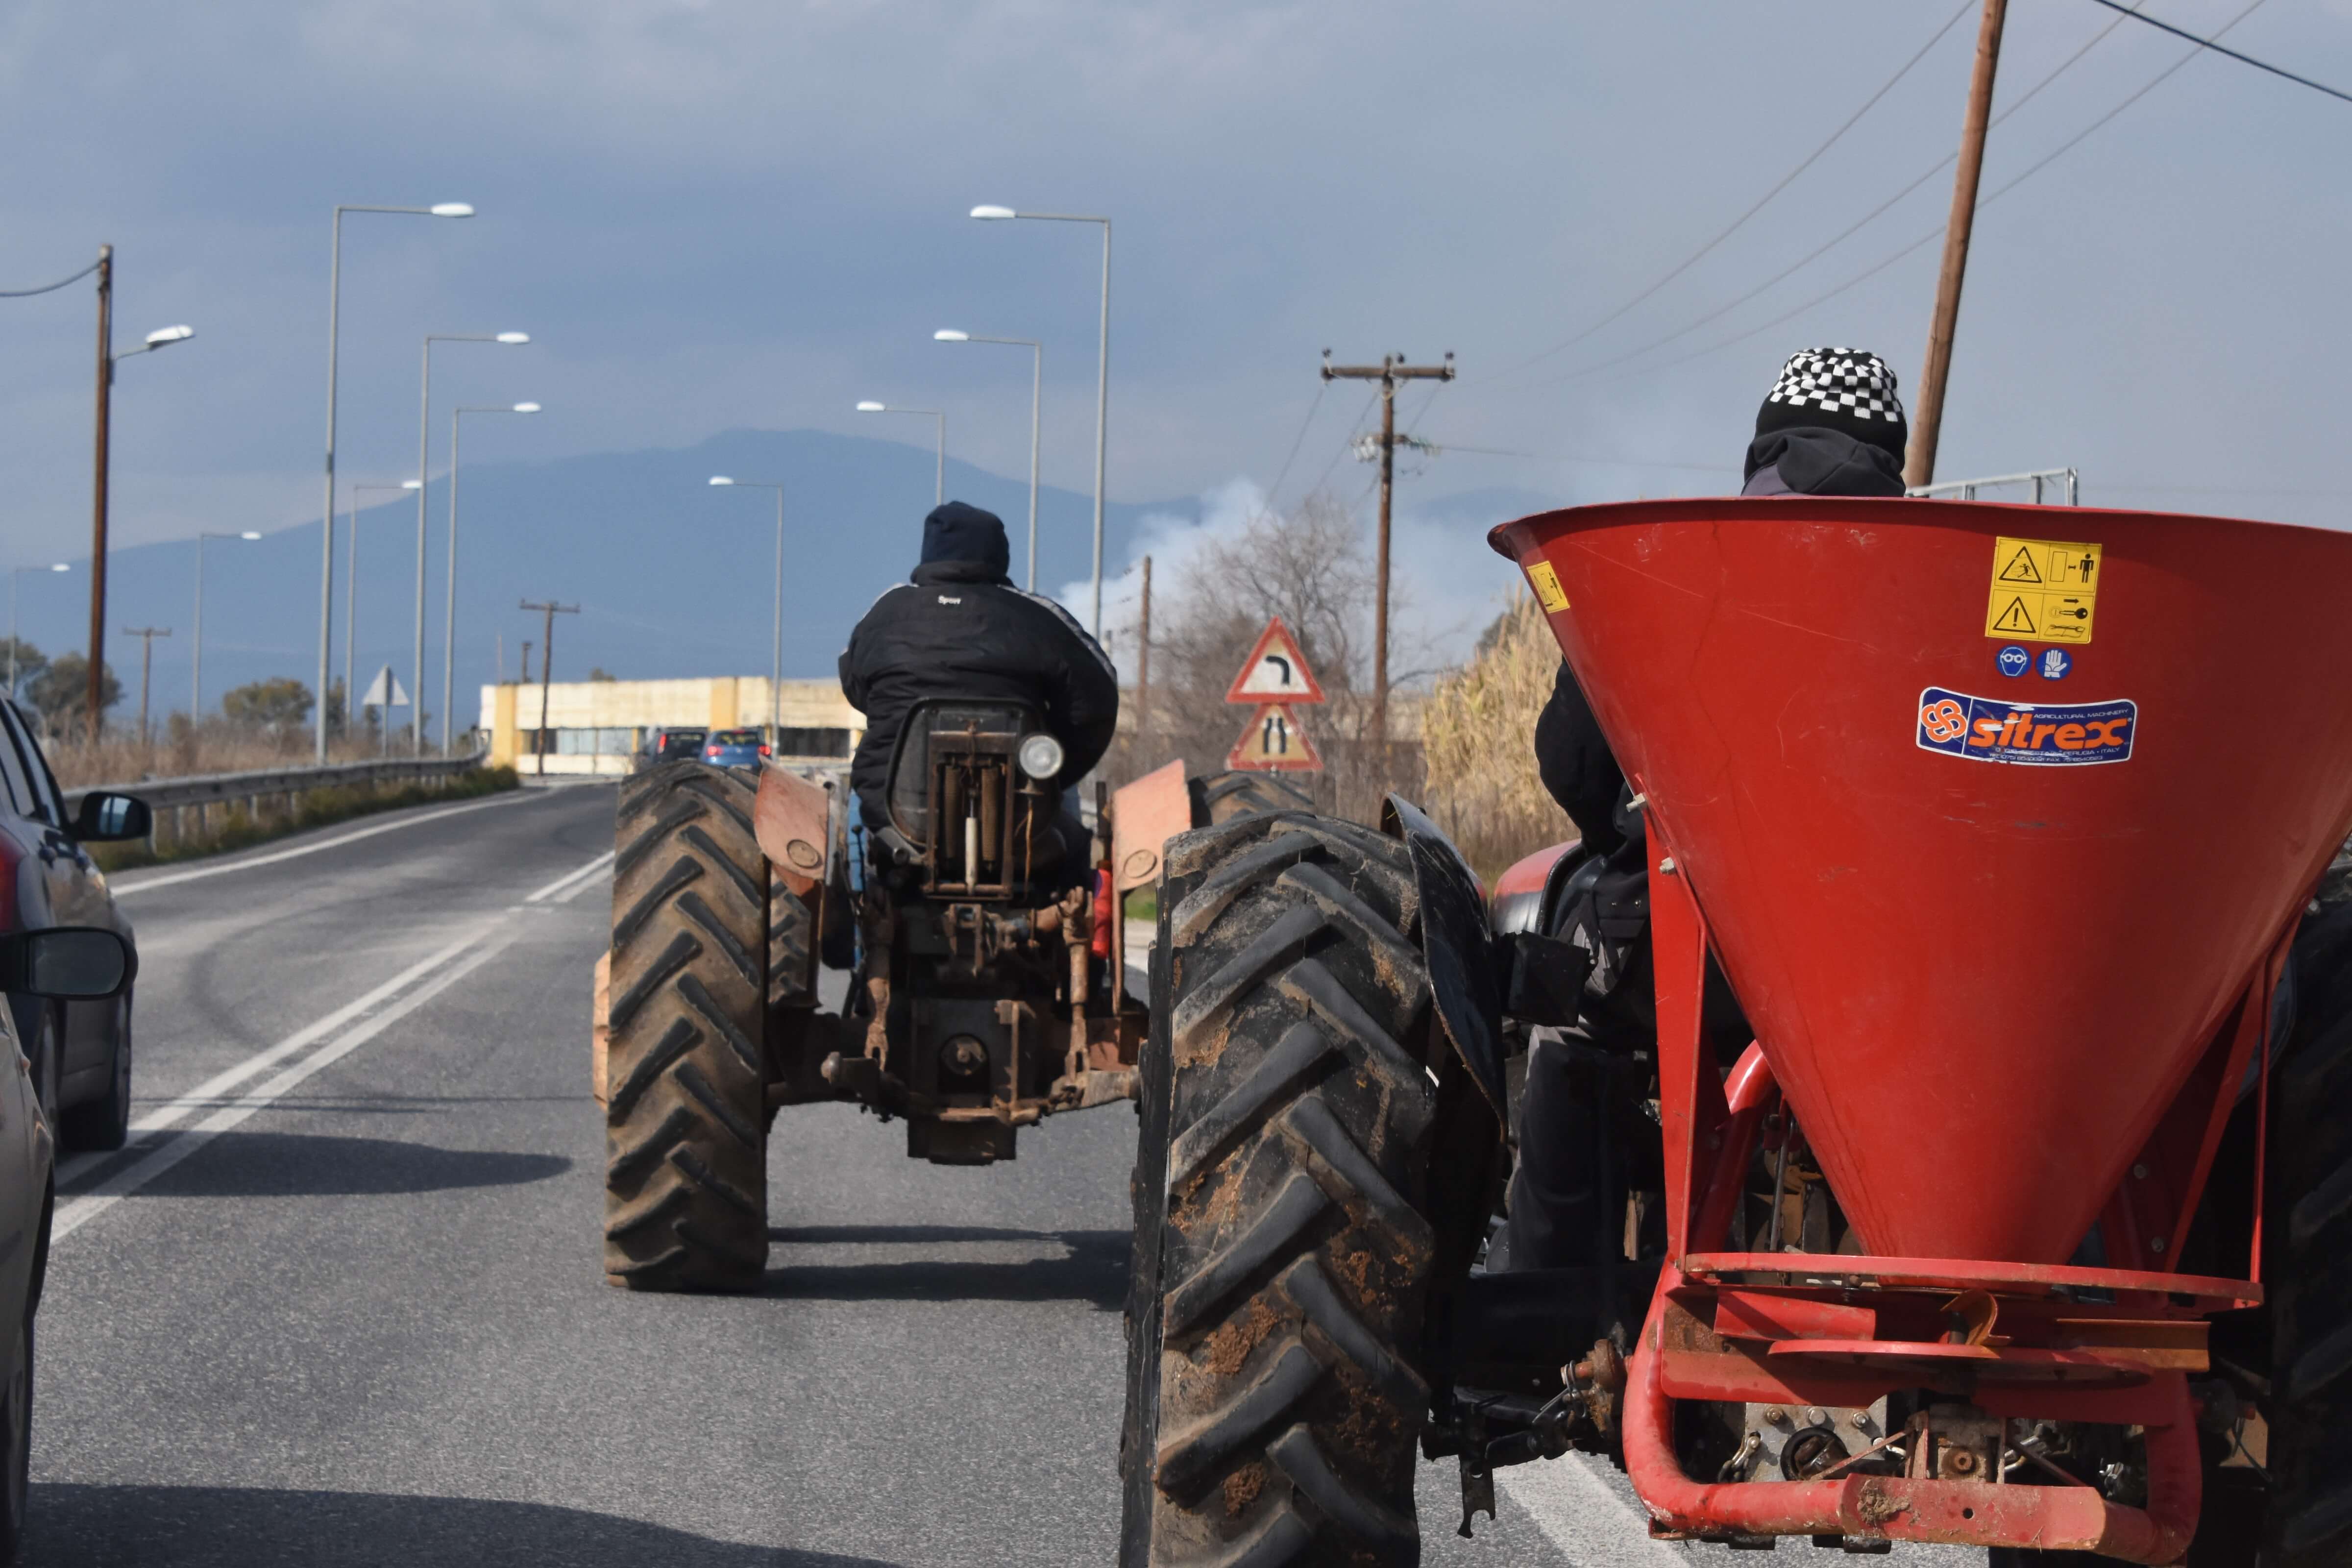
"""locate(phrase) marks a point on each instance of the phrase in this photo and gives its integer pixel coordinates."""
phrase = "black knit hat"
(958, 530)
(1841, 389)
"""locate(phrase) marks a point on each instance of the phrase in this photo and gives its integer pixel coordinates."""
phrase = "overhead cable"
(2136, 14)
(1786, 180)
(47, 288)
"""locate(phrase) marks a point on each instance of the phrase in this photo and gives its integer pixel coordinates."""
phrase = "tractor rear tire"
(1283, 1258)
(2308, 1265)
(1233, 795)
(686, 1081)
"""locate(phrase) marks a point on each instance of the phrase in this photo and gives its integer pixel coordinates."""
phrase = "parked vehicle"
(735, 749)
(1976, 1166)
(61, 967)
(80, 1051)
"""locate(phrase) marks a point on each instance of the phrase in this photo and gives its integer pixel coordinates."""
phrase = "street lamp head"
(162, 335)
(950, 335)
(993, 212)
(526, 408)
(514, 337)
(250, 533)
(870, 406)
(452, 209)
(60, 566)
(412, 484)
(721, 480)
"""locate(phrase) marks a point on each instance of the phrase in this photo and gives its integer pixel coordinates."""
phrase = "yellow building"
(599, 726)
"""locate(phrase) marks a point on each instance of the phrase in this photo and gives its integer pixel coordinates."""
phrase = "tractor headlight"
(1040, 755)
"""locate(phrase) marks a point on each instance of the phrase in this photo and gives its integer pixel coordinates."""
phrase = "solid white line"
(563, 887)
(173, 878)
(1584, 1516)
(80, 1209)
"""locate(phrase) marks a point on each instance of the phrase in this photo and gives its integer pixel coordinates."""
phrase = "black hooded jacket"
(1572, 755)
(961, 629)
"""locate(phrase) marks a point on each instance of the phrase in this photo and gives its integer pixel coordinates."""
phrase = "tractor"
(1981, 1174)
(986, 971)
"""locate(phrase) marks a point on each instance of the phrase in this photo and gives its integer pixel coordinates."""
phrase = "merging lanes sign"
(1273, 681)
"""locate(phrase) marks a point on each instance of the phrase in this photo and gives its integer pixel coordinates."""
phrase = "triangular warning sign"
(2021, 569)
(1276, 670)
(2015, 618)
(1273, 742)
(384, 691)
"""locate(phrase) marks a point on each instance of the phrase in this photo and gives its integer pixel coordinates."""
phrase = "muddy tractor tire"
(2308, 1240)
(1232, 795)
(686, 1159)
(1282, 1256)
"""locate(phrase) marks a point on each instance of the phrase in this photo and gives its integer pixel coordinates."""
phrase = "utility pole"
(1928, 417)
(524, 678)
(547, 668)
(146, 636)
(97, 489)
(1391, 369)
(1143, 672)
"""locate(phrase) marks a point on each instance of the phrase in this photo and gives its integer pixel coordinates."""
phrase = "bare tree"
(1312, 566)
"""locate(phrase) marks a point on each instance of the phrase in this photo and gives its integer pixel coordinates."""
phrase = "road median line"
(486, 941)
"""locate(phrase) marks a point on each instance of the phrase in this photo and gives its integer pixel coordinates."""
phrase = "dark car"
(57, 967)
(79, 1052)
(735, 749)
(669, 745)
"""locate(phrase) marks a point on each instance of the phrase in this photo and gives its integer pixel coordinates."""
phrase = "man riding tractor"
(956, 882)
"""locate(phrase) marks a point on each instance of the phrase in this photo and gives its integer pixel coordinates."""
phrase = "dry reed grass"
(1479, 740)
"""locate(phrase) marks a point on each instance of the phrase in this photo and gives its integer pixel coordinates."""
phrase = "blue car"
(735, 749)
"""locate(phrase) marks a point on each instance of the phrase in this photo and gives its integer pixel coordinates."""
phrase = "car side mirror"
(73, 963)
(105, 816)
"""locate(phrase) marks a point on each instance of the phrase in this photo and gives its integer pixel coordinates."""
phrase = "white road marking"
(170, 878)
(1584, 1516)
(486, 941)
(563, 888)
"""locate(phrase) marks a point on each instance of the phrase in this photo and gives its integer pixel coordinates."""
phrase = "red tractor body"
(1999, 820)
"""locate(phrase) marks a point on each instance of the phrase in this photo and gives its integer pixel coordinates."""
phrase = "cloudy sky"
(716, 214)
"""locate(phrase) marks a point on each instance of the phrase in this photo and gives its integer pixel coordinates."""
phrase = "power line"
(1933, 234)
(1844, 234)
(47, 288)
(1786, 180)
(1299, 440)
(2134, 12)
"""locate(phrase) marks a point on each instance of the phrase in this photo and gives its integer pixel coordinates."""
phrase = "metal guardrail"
(210, 789)
(2072, 478)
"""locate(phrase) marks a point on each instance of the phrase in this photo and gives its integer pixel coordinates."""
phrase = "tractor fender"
(789, 817)
(1463, 981)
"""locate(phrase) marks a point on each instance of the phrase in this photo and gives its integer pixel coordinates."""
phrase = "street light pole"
(196, 683)
(424, 471)
(13, 640)
(351, 594)
(327, 544)
(1102, 374)
(450, 606)
(776, 652)
(1036, 385)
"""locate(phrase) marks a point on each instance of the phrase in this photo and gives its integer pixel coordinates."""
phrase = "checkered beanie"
(1842, 389)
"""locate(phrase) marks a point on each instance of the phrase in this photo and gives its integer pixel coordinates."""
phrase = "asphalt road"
(341, 1303)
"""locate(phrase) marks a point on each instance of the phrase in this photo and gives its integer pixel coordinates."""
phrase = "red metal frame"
(1809, 1332)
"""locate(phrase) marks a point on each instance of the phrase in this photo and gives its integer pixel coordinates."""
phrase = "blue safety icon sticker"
(2055, 663)
(2045, 734)
(2014, 660)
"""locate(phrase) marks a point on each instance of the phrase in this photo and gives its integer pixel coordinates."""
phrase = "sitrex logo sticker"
(2046, 735)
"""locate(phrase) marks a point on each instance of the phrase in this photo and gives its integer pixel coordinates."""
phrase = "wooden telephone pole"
(1928, 415)
(1388, 373)
(98, 492)
(146, 636)
(546, 669)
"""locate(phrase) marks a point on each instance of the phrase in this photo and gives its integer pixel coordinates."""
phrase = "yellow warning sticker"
(1545, 583)
(2043, 590)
